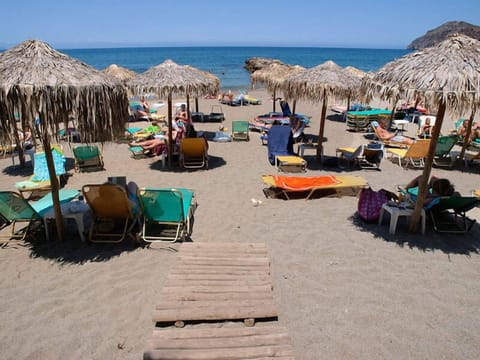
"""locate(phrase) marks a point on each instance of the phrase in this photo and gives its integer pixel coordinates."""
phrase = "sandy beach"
(344, 289)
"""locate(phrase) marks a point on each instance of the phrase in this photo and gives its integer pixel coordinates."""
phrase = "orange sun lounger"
(286, 186)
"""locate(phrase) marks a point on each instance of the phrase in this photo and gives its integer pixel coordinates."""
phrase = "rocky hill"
(440, 33)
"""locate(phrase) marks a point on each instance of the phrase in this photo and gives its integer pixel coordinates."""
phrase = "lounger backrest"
(83, 153)
(419, 149)
(193, 147)
(40, 170)
(108, 201)
(165, 205)
(445, 145)
(14, 207)
(280, 142)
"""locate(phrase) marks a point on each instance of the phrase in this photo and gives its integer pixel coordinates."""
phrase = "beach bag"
(370, 203)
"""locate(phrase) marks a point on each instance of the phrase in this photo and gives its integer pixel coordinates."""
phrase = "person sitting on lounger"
(436, 187)
(385, 135)
(142, 111)
(426, 129)
(474, 132)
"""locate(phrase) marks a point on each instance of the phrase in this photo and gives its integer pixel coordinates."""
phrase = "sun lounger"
(306, 187)
(166, 207)
(414, 155)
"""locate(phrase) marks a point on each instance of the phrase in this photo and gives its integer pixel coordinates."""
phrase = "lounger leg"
(393, 222)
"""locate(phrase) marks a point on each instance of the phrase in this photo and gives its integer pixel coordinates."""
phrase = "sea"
(228, 63)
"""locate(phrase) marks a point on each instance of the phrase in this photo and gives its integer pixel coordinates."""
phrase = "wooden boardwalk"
(218, 282)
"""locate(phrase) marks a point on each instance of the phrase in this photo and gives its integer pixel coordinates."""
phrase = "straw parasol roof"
(447, 74)
(169, 79)
(355, 71)
(318, 83)
(274, 75)
(37, 81)
(121, 73)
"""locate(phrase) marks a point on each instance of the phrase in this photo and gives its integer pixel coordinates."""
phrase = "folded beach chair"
(15, 209)
(360, 120)
(444, 147)
(114, 215)
(240, 130)
(193, 153)
(39, 182)
(87, 158)
(164, 209)
(288, 187)
(413, 155)
(280, 150)
(367, 156)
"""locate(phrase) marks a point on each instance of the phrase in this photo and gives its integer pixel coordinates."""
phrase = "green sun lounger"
(167, 213)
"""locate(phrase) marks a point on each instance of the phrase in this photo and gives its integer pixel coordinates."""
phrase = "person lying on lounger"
(386, 135)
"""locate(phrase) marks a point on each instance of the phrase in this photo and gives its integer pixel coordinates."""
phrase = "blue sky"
(337, 23)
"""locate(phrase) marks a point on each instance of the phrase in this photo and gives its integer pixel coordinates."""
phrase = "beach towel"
(295, 183)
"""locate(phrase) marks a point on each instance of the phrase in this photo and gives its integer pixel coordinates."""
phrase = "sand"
(344, 289)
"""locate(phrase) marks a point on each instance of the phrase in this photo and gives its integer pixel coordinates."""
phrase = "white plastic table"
(395, 212)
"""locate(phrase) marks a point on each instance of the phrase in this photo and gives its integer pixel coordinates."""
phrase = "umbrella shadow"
(460, 244)
(213, 163)
(72, 250)
(336, 118)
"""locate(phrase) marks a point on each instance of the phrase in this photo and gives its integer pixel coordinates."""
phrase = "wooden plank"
(219, 340)
(218, 277)
(217, 289)
(272, 351)
(206, 332)
(232, 343)
(219, 296)
(222, 245)
(218, 268)
(171, 304)
(219, 312)
(242, 261)
(210, 272)
(215, 283)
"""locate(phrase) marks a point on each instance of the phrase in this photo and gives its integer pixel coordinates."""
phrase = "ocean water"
(227, 63)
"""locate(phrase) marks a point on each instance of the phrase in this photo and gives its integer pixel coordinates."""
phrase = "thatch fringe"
(448, 72)
(38, 82)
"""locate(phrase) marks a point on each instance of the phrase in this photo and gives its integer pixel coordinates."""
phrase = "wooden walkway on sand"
(218, 282)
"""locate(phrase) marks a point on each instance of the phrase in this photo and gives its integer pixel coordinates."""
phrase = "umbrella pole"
(469, 131)
(322, 127)
(274, 99)
(55, 186)
(170, 139)
(422, 188)
(188, 106)
(196, 104)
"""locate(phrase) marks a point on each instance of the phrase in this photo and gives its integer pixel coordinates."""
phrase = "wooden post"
(188, 105)
(54, 184)
(274, 99)
(423, 186)
(322, 127)
(170, 138)
(196, 104)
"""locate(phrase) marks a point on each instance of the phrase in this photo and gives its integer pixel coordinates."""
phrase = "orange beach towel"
(300, 183)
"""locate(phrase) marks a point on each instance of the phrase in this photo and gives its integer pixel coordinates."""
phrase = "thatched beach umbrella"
(168, 79)
(38, 82)
(274, 75)
(447, 74)
(318, 83)
(121, 73)
(208, 75)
